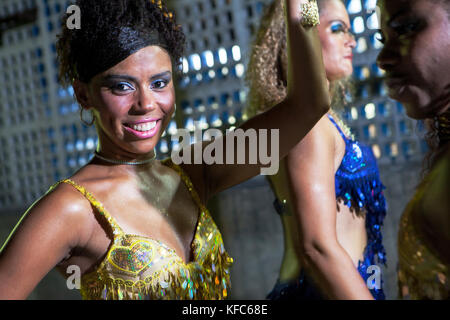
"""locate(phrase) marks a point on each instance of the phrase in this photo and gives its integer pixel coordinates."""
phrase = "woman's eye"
(122, 87)
(338, 27)
(405, 28)
(159, 84)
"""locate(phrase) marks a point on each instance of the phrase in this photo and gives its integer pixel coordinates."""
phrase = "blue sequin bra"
(358, 184)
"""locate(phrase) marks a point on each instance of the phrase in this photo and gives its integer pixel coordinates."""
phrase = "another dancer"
(416, 37)
(329, 194)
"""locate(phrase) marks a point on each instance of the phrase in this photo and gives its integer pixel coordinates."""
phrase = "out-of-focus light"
(189, 124)
(164, 148)
(236, 51)
(185, 65)
(209, 58)
(239, 70)
(354, 113)
(231, 120)
(376, 151)
(372, 21)
(354, 6)
(369, 110)
(372, 131)
(196, 61)
(223, 58)
(172, 128)
(361, 45)
(370, 5)
(225, 71)
(358, 25)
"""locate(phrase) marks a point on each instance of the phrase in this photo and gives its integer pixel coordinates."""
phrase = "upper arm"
(310, 177)
(43, 237)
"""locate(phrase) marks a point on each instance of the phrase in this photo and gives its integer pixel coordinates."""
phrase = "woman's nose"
(146, 100)
(351, 42)
(387, 58)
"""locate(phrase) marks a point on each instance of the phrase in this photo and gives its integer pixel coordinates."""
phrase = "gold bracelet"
(310, 14)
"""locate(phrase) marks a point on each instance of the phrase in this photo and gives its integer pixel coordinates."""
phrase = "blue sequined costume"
(357, 183)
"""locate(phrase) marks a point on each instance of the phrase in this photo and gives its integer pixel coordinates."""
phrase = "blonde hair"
(267, 69)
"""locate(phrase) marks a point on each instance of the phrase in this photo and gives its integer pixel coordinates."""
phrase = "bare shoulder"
(64, 204)
(321, 140)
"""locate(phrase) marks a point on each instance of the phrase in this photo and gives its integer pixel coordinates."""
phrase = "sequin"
(138, 267)
(358, 184)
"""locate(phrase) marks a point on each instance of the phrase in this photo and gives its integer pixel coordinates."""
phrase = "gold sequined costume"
(137, 267)
(422, 273)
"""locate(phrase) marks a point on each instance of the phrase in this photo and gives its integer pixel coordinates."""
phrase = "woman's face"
(133, 102)
(416, 55)
(337, 41)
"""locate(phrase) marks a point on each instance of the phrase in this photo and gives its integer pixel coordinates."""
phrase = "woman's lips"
(143, 129)
(396, 86)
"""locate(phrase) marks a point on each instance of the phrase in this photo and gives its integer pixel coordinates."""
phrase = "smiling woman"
(138, 228)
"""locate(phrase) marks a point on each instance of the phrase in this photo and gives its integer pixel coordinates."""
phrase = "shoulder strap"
(338, 128)
(96, 204)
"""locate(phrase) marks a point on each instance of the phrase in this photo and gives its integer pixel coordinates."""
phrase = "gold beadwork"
(137, 267)
(310, 14)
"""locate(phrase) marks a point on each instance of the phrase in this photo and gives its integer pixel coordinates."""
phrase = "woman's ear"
(82, 94)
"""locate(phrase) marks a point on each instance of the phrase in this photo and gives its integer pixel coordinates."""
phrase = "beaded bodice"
(422, 274)
(137, 267)
(358, 184)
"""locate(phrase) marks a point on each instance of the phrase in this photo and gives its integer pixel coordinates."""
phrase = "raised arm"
(307, 101)
(308, 187)
(44, 236)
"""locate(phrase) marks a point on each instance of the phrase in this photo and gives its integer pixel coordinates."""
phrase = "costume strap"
(337, 126)
(96, 204)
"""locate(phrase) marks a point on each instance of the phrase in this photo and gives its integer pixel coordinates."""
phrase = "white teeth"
(144, 127)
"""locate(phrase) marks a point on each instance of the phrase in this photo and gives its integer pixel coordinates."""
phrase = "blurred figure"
(329, 194)
(416, 37)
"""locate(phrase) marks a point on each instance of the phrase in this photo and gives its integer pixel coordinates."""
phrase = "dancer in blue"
(328, 191)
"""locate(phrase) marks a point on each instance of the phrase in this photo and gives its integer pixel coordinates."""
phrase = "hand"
(304, 12)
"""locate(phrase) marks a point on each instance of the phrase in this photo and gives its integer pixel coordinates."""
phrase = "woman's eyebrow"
(119, 77)
(341, 21)
(109, 77)
(162, 74)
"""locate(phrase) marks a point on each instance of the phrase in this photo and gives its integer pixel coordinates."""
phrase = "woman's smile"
(144, 129)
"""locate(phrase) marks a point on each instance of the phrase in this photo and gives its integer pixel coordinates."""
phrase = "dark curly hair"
(110, 31)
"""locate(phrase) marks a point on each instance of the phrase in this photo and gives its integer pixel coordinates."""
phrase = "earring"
(175, 110)
(86, 123)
